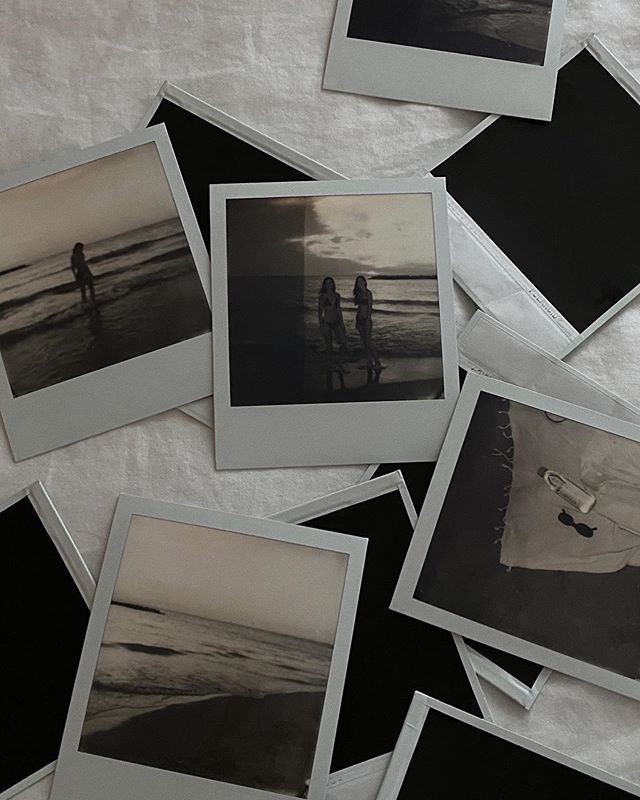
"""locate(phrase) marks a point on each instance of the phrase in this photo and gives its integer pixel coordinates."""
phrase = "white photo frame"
(490, 348)
(107, 778)
(202, 410)
(110, 397)
(290, 435)
(362, 777)
(491, 279)
(442, 77)
(404, 600)
(412, 731)
(506, 683)
(71, 557)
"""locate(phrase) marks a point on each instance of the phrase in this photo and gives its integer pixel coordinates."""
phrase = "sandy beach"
(265, 742)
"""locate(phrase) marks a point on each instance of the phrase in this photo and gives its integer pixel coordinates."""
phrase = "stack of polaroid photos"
(340, 649)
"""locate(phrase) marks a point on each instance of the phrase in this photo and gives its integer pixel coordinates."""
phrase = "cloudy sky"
(232, 577)
(111, 195)
(339, 235)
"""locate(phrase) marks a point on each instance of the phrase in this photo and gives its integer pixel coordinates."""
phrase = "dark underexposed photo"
(333, 299)
(216, 655)
(508, 30)
(95, 269)
(539, 535)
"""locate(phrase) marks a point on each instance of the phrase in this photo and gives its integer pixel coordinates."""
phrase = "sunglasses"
(580, 527)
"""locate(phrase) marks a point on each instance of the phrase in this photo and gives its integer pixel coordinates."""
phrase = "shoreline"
(264, 742)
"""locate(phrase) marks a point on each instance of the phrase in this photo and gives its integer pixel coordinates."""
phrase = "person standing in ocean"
(82, 273)
(332, 326)
(363, 299)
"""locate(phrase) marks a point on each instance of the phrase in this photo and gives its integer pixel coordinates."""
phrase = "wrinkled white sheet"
(73, 74)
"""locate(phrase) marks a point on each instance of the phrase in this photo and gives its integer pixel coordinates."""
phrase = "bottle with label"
(569, 491)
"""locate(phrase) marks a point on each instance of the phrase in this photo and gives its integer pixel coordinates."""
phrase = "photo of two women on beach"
(333, 299)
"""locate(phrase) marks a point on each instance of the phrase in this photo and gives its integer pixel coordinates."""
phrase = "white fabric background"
(76, 72)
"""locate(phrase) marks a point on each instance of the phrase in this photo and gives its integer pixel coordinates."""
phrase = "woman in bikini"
(332, 324)
(82, 273)
(363, 299)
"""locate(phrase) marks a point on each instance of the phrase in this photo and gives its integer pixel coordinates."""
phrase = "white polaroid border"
(77, 568)
(490, 348)
(412, 731)
(87, 775)
(111, 397)
(443, 78)
(202, 410)
(293, 435)
(489, 276)
(404, 600)
(343, 783)
(507, 683)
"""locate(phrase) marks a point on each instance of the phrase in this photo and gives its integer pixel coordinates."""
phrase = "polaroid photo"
(213, 147)
(481, 56)
(47, 592)
(214, 660)
(447, 753)
(554, 278)
(533, 509)
(519, 679)
(104, 318)
(333, 317)
(415, 655)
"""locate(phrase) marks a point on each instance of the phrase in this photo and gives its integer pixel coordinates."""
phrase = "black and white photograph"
(95, 269)
(103, 285)
(333, 299)
(494, 56)
(221, 650)
(338, 296)
(538, 534)
(510, 30)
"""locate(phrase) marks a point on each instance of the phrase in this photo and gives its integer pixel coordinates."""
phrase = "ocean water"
(150, 661)
(406, 316)
(277, 353)
(148, 295)
(45, 293)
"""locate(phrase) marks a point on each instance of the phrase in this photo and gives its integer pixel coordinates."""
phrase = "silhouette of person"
(363, 299)
(332, 328)
(82, 273)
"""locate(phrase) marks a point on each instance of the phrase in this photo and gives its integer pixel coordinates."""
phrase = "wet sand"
(154, 316)
(402, 379)
(264, 742)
